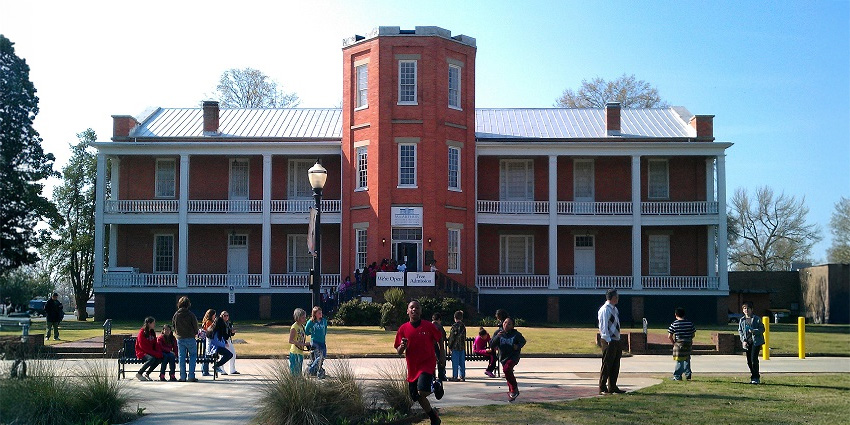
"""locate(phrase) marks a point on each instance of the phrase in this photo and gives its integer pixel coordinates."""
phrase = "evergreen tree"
(23, 164)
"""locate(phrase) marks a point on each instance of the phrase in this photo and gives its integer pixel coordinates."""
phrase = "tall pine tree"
(23, 164)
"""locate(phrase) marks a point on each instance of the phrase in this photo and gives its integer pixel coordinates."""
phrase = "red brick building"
(540, 210)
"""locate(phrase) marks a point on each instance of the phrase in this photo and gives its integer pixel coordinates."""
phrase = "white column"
(267, 224)
(553, 222)
(722, 256)
(709, 180)
(636, 226)
(113, 195)
(183, 225)
(100, 198)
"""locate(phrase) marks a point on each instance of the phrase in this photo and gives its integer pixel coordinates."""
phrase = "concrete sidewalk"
(231, 399)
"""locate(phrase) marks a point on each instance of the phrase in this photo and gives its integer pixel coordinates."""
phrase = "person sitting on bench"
(147, 350)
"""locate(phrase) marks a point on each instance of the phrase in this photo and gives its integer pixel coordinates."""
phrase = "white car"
(89, 309)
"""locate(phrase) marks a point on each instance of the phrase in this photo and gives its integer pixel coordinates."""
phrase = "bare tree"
(770, 231)
(251, 88)
(627, 90)
(839, 225)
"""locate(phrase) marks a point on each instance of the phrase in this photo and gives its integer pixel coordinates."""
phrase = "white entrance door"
(585, 262)
(583, 186)
(237, 259)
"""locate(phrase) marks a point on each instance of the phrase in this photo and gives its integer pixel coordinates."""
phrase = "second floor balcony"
(654, 208)
(254, 206)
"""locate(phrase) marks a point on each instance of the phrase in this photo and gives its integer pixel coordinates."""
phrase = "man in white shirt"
(609, 331)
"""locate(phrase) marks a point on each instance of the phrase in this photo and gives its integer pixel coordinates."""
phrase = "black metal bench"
(469, 354)
(127, 355)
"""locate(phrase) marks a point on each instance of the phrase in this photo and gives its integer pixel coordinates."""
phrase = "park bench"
(19, 351)
(469, 355)
(127, 355)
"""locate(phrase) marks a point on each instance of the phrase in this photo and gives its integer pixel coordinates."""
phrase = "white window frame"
(298, 185)
(361, 246)
(415, 99)
(653, 174)
(453, 250)
(455, 99)
(658, 244)
(401, 146)
(230, 182)
(361, 99)
(457, 186)
(293, 242)
(172, 192)
(362, 176)
(505, 242)
(157, 238)
(529, 179)
(592, 196)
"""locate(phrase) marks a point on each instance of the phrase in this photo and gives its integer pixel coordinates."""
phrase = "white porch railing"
(594, 208)
(678, 208)
(141, 206)
(218, 280)
(513, 207)
(594, 282)
(303, 205)
(679, 282)
(510, 281)
(300, 280)
(128, 280)
(226, 206)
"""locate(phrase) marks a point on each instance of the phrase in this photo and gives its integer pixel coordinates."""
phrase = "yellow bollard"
(801, 337)
(765, 353)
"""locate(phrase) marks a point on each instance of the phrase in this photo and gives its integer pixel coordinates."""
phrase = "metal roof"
(499, 123)
(293, 123)
(562, 123)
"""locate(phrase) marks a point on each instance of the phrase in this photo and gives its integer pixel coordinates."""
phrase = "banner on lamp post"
(311, 233)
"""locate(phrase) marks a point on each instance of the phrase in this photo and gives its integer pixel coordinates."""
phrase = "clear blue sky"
(775, 74)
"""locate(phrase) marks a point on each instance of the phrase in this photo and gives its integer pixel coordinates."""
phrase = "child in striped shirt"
(681, 334)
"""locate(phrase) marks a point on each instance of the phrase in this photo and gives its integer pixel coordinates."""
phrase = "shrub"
(356, 313)
(290, 400)
(46, 397)
(446, 307)
(393, 311)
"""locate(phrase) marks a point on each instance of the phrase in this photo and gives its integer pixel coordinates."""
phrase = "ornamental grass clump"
(391, 387)
(302, 400)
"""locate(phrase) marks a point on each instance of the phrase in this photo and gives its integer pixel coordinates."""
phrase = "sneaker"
(513, 396)
(754, 382)
(141, 377)
(618, 391)
(206, 374)
(676, 378)
(221, 371)
(688, 377)
(173, 378)
(438, 389)
(490, 374)
(162, 377)
(180, 380)
(234, 372)
(192, 379)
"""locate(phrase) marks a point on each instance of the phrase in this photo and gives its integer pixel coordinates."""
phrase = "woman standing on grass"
(510, 343)
(146, 349)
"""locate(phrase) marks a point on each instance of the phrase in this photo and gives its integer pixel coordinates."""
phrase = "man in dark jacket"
(186, 329)
(55, 313)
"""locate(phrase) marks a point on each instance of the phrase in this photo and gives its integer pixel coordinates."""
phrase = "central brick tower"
(408, 150)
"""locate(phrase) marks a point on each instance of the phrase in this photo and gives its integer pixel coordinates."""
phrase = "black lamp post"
(317, 175)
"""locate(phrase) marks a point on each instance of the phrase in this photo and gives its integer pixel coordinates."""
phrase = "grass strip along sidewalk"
(787, 399)
(262, 340)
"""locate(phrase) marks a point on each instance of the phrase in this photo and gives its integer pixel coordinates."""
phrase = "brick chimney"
(612, 118)
(122, 124)
(704, 125)
(210, 118)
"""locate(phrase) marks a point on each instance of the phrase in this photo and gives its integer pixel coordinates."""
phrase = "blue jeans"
(458, 362)
(321, 351)
(187, 346)
(296, 363)
(682, 367)
(167, 360)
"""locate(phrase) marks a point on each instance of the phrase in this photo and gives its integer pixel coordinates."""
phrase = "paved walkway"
(231, 399)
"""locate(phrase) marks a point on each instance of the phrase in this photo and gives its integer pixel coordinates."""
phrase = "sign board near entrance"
(407, 216)
(389, 279)
(421, 278)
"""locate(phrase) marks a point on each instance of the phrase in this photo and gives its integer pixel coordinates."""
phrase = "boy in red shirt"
(416, 339)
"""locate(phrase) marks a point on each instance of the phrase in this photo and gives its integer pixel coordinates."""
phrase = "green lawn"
(797, 399)
(357, 340)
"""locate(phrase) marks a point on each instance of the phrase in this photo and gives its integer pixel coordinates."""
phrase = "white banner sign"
(421, 278)
(407, 216)
(389, 279)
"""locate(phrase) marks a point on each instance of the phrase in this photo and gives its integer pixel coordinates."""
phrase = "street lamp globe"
(318, 175)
